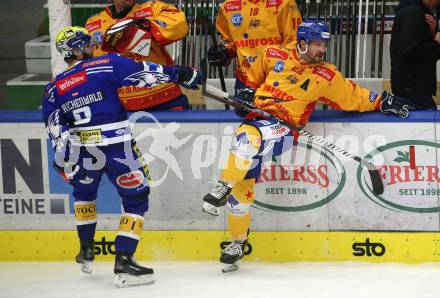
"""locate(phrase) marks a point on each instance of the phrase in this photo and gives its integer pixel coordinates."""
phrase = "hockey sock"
(238, 226)
(245, 146)
(85, 218)
(238, 205)
(130, 228)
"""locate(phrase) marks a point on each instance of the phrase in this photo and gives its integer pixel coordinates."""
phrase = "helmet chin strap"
(299, 49)
(301, 53)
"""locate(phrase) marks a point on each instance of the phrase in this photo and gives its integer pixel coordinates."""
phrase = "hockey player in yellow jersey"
(161, 24)
(247, 27)
(288, 82)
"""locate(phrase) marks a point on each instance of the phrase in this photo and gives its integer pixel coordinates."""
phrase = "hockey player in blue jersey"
(90, 134)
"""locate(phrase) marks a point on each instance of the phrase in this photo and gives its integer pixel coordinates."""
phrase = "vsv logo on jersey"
(237, 19)
(148, 79)
(324, 72)
(144, 13)
(70, 82)
(275, 53)
(130, 180)
(233, 5)
(93, 26)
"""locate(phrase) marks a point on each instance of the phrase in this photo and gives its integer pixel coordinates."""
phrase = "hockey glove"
(71, 172)
(247, 95)
(142, 23)
(389, 104)
(128, 36)
(218, 56)
(188, 77)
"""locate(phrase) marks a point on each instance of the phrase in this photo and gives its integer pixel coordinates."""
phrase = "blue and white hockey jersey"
(82, 103)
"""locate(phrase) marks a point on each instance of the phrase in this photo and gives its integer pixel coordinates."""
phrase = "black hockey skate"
(129, 272)
(231, 255)
(86, 255)
(216, 198)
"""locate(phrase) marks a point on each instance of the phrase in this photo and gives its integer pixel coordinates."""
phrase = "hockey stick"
(224, 97)
(373, 41)
(353, 40)
(358, 45)
(347, 40)
(381, 37)
(364, 58)
(211, 31)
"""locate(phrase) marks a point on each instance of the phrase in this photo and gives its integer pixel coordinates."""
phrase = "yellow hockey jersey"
(248, 26)
(168, 24)
(289, 89)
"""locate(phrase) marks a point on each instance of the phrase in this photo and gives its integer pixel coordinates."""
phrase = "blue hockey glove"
(188, 77)
(218, 56)
(247, 95)
(389, 104)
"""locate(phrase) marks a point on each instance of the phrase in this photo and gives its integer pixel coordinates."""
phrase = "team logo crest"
(148, 79)
(279, 66)
(237, 19)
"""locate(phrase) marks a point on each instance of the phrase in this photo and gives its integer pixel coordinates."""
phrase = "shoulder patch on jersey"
(71, 81)
(94, 25)
(234, 5)
(96, 62)
(146, 12)
(373, 96)
(324, 72)
(276, 53)
(279, 66)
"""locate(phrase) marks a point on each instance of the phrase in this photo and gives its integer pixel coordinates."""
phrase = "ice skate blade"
(86, 267)
(124, 280)
(230, 267)
(210, 209)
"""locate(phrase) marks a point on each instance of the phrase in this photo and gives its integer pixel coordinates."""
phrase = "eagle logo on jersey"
(148, 79)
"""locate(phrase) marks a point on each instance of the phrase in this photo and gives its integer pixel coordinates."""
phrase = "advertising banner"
(307, 188)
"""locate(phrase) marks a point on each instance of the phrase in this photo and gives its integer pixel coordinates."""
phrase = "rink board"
(301, 199)
(204, 245)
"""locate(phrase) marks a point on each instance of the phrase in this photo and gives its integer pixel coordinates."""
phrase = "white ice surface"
(204, 279)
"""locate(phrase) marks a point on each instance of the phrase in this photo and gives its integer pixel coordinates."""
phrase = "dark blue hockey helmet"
(312, 30)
